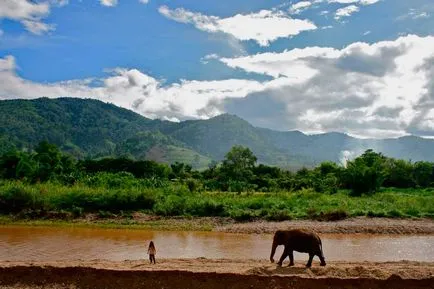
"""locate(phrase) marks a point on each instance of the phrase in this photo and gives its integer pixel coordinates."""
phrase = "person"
(152, 251)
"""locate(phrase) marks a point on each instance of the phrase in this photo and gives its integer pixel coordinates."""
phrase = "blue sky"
(314, 65)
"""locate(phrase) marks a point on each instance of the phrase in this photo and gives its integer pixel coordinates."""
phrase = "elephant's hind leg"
(309, 263)
(321, 258)
(291, 258)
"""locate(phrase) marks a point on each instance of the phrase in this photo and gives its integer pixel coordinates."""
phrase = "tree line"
(239, 171)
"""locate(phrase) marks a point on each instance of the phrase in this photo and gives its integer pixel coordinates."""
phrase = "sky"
(360, 67)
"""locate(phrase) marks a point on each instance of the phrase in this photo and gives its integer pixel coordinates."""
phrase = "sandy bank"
(362, 225)
(349, 226)
(203, 273)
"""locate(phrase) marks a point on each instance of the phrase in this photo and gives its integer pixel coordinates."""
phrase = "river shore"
(213, 273)
(362, 225)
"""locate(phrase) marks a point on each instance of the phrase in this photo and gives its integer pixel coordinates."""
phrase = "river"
(19, 243)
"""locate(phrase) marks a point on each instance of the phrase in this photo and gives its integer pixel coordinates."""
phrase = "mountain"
(91, 128)
(88, 128)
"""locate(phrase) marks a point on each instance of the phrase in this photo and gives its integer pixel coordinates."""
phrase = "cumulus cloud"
(135, 90)
(263, 27)
(299, 7)
(377, 90)
(346, 11)
(384, 89)
(28, 13)
(37, 27)
(109, 3)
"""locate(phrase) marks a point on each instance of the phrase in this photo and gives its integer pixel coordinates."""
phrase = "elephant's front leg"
(284, 254)
(291, 258)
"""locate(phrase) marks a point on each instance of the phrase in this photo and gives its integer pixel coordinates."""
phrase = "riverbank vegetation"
(46, 183)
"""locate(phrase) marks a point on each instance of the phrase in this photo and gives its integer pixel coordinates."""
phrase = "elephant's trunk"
(273, 250)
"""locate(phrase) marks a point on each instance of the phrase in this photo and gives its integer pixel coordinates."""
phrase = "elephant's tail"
(320, 248)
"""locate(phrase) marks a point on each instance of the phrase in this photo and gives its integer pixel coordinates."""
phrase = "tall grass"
(18, 198)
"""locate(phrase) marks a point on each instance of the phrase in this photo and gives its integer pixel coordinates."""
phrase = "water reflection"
(49, 244)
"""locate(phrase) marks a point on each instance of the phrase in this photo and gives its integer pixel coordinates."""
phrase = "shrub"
(17, 198)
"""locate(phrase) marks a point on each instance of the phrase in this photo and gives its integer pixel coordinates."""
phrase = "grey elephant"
(297, 240)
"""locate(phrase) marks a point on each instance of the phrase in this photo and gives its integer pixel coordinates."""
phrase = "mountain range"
(89, 128)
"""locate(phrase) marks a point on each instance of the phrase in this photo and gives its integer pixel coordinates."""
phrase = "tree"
(239, 163)
(8, 164)
(237, 167)
(366, 173)
(423, 174)
(240, 158)
(49, 160)
(399, 174)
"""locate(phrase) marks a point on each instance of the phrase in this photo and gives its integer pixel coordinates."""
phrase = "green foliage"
(48, 183)
(423, 174)
(366, 173)
(56, 200)
(238, 167)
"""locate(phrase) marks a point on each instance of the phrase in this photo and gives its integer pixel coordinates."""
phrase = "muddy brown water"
(63, 244)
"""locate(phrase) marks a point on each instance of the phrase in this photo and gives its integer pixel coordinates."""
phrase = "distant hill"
(91, 128)
(88, 128)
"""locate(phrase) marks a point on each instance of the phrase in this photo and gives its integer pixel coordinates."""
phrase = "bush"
(394, 214)
(192, 185)
(17, 198)
(205, 208)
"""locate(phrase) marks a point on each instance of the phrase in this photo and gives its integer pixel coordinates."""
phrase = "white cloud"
(37, 27)
(208, 57)
(135, 90)
(299, 7)
(378, 90)
(384, 89)
(59, 3)
(368, 2)
(415, 15)
(263, 27)
(144, 1)
(362, 2)
(109, 3)
(367, 32)
(346, 11)
(1, 33)
(343, 1)
(29, 13)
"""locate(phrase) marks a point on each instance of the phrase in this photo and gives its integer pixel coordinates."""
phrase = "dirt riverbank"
(362, 225)
(221, 273)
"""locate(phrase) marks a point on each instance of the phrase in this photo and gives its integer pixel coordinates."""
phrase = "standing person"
(152, 251)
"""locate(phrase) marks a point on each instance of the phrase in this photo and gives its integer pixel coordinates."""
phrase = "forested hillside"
(91, 128)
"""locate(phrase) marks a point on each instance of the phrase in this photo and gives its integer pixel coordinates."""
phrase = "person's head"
(151, 244)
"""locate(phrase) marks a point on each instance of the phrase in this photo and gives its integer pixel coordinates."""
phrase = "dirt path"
(222, 273)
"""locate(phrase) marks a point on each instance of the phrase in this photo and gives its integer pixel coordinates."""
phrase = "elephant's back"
(303, 240)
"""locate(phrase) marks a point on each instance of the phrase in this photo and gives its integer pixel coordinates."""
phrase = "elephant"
(297, 240)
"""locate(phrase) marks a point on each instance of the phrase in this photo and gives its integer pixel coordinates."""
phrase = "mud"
(217, 273)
